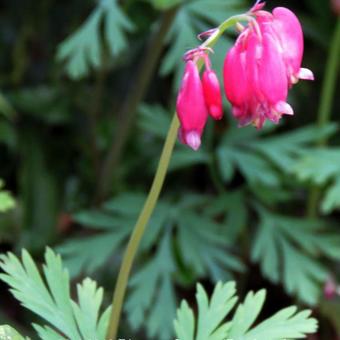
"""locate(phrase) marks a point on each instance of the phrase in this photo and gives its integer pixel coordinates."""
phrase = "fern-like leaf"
(211, 324)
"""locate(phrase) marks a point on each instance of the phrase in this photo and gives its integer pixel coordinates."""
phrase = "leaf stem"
(325, 106)
(150, 203)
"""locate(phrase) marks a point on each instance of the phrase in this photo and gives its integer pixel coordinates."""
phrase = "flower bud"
(330, 289)
(212, 94)
(191, 108)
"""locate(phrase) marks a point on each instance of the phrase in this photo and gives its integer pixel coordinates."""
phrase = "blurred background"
(87, 92)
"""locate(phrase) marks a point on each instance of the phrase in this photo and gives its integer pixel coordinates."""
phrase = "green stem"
(150, 203)
(324, 112)
(139, 229)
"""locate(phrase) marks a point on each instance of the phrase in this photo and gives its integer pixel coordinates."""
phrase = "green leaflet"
(83, 49)
(51, 301)
(6, 200)
(210, 323)
(294, 245)
(192, 18)
(7, 332)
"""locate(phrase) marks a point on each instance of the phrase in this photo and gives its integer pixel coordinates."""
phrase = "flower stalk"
(151, 201)
(325, 106)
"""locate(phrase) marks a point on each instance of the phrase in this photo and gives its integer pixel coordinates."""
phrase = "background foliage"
(87, 93)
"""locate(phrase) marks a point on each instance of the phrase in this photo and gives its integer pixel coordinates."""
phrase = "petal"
(191, 108)
(193, 139)
(284, 108)
(272, 72)
(288, 28)
(212, 94)
(234, 75)
(306, 74)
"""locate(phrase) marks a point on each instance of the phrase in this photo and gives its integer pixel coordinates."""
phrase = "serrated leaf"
(294, 245)
(115, 220)
(211, 314)
(153, 283)
(211, 323)
(331, 200)
(50, 298)
(319, 166)
(246, 313)
(285, 324)
(83, 49)
(216, 260)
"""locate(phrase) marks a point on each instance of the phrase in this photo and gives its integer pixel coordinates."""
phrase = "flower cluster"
(258, 71)
(263, 64)
(197, 98)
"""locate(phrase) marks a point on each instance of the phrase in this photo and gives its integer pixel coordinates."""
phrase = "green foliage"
(241, 198)
(264, 160)
(192, 18)
(6, 200)
(177, 239)
(152, 300)
(7, 332)
(5, 107)
(165, 4)
(322, 167)
(155, 120)
(50, 298)
(295, 245)
(83, 49)
(112, 224)
(210, 324)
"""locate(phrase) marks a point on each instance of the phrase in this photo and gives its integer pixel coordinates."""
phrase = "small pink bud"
(191, 108)
(336, 6)
(212, 94)
(330, 289)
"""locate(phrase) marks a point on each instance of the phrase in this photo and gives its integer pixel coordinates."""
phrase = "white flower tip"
(193, 139)
(284, 108)
(305, 74)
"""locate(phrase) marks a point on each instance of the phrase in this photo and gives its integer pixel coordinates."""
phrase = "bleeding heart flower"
(191, 108)
(263, 64)
(212, 94)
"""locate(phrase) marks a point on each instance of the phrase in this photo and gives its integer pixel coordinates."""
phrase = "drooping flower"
(191, 108)
(212, 94)
(196, 99)
(264, 62)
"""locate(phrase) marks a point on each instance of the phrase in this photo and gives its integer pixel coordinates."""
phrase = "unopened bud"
(336, 6)
(330, 289)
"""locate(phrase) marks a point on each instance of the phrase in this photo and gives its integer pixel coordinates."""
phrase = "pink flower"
(331, 290)
(263, 64)
(191, 108)
(212, 94)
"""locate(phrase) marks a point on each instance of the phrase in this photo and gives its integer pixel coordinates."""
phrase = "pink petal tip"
(284, 108)
(306, 74)
(193, 139)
